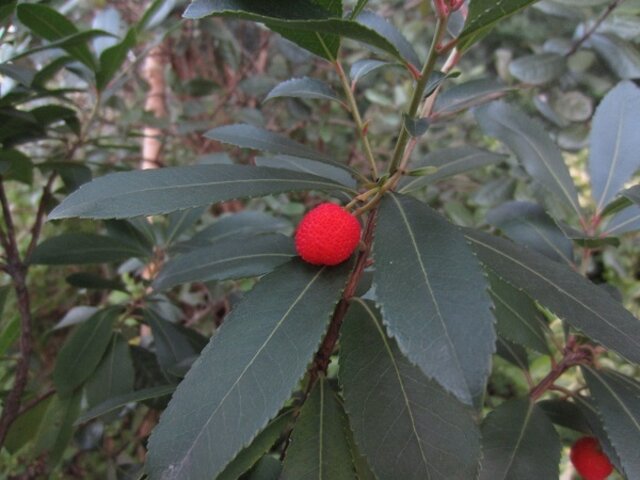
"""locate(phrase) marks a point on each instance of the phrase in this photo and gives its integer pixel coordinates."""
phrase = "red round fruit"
(327, 235)
(589, 460)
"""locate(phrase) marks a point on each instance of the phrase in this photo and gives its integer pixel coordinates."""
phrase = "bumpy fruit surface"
(589, 460)
(327, 235)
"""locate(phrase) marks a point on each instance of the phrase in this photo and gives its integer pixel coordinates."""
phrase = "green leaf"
(16, 166)
(172, 346)
(151, 192)
(539, 68)
(528, 224)
(319, 448)
(246, 223)
(519, 442)
(565, 292)
(298, 164)
(617, 398)
(622, 57)
(112, 58)
(362, 68)
(120, 401)
(466, 95)
(248, 457)
(268, 468)
(51, 25)
(406, 426)
(279, 324)
(628, 220)
(632, 194)
(307, 16)
(92, 281)
(56, 430)
(484, 15)
(512, 353)
(25, 427)
(181, 221)
(304, 87)
(449, 162)
(235, 257)
(566, 414)
(255, 138)
(387, 30)
(518, 318)
(83, 350)
(540, 157)
(424, 268)
(114, 375)
(416, 127)
(83, 248)
(615, 142)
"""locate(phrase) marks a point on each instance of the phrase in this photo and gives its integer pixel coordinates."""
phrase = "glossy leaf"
(83, 248)
(120, 401)
(519, 442)
(617, 398)
(295, 303)
(114, 374)
(171, 345)
(628, 220)
(319, 449)
(615, 143)
(466, 95)
(307, 16)
(566, 293)
(528, 224)
(305, 87)
(415, 126)
(449, 162)
(181, 221)
(246, 223)
(236, 257)
(151, 192)
(51, 25)
(112, 58)
(260, 445)
(518, 318)
(298, 164)
(539, 68)
(484, 15)
(419, 290)
(362, 68)
(83, 350)
(540, 157)
(405, 425)
(512, 352)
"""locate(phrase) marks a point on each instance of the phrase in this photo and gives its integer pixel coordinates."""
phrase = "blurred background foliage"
(216, 72)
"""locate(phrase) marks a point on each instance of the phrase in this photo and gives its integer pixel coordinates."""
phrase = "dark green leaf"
(633, 194)
(246, 223)
(120, 401)
(112, 58)
(319, 448)
(562, 290)
(236, 257)
(449, 162)
(280, 324)
(392, 34)
(307, 16)
(114, 375)
(172, 346)
(518, 318)
(181, 221)
(298, 164)
(519, 442)
(468, 94)
(255, 138)
(83, 350)
(362, 68)
(424, 268)
(512, 353)
(20, 74)
(539, 68)
(628, 220)
(415, 126)
(528, 224)
(484, 15)
(16, 166)
(164, 190)
(25, 427)
(527, 139)
(566, 414)
(617, 398)
(92, 281)
(615, 142)
(51, 25)
(260, 445)
(83, 248)
(406, 426)
(268, 468)
(6, 10)
(304, 87)
(56, 430)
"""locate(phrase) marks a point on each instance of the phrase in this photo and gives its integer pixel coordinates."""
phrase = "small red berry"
(589, 460)
(327, 235)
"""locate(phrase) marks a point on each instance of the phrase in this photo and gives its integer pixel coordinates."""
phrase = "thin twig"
(585, 36)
